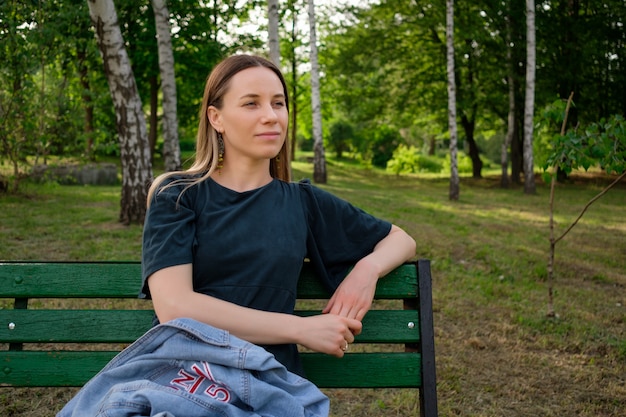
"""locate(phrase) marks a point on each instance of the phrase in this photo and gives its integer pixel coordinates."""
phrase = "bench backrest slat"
(123, 279)
(125, 326)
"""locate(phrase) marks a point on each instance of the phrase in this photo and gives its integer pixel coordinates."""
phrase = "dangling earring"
(220, 152)
(277, 166)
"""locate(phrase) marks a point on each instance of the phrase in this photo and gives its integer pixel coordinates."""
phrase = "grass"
(497, 352)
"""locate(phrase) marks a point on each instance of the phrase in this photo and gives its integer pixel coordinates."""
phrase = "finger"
(345, 311)
(339, 352)
(360, 314)
(329, 306)
(354, 328)
(338, 309)
(346, 346)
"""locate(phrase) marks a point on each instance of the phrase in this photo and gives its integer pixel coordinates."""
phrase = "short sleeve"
(339, 234)
(169, 232)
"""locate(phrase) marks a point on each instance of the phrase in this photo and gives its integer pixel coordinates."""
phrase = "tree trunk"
(154, 116)
(83, 72)
(171, 146)
(130, 120)
(529, 106)
(510, 131)
(294, 109)
(517, 161)
(274, 40)
(454, 170)
(294, 82)
(474, 153)
(319, 160)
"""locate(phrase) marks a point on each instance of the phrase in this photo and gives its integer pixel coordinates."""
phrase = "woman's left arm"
(353, 298)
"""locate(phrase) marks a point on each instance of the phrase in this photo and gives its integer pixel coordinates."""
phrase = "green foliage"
(409, 160)
(341, 133)
(464, 163)
(491, 146)
(600, 144)
(382, 142)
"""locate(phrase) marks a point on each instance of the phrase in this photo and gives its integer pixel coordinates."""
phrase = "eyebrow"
(254, 95)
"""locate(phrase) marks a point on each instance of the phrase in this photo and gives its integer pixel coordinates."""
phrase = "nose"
(269, 114)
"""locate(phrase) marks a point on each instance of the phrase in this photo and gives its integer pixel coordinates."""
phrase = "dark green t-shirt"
(248, 248)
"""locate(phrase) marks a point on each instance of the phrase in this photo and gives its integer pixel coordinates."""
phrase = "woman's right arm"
(173, 297)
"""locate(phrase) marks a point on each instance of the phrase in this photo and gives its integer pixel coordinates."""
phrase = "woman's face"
(254, 117)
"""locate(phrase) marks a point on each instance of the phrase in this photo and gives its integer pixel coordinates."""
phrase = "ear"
(215, 118)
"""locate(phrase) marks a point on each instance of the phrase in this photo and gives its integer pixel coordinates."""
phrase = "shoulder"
(178, 188)
(312, 192)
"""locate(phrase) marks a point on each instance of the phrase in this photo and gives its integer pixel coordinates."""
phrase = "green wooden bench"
(50, 341)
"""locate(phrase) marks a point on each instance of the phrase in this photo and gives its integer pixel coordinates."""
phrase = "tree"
(603, 144)
(508, 138)
(529, 106)
(341, 133)
(131, 124)
(272, 25)
(171, 147)
(454, 171)
(17, 113)
(319, 160)
(295, 41)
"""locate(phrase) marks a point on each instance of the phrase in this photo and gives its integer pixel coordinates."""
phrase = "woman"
(225, 240)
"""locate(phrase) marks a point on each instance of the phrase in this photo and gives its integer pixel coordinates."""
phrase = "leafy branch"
(603, 144)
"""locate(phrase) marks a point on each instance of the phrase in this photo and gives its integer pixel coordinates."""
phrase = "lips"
(269, 135)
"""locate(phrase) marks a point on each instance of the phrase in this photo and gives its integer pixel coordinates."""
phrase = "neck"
(243, 178)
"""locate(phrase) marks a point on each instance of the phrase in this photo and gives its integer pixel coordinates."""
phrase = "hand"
(353, 298)
(329, 333)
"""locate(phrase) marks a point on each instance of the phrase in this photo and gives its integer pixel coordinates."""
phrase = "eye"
(279, 103)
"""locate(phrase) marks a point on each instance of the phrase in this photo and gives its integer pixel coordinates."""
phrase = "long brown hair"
(205, 162)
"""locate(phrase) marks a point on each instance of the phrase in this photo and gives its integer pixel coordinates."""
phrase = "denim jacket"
(184, 368)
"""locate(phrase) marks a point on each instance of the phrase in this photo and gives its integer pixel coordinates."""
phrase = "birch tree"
(454, 170)
(529, 103)
(274, 40)
(294, 41)
(319, 160)
(508, 139)
(130, 120)
(171, 147)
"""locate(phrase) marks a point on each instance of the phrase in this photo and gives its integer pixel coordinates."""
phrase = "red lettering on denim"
(184, 381)
(191, 382)
(218, 393)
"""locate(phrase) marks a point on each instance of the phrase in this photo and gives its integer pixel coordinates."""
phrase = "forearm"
(174, 297)
(255, 326)
(353, 297)
(394, 249)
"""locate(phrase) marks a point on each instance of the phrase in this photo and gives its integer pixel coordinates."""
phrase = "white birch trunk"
(274, 40)
(131, 122)
(319, 159)
(529, 103)
(454, 170)
(171, 146)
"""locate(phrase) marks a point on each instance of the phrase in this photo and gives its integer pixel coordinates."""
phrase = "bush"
(464, 163)
(383, 143)
(409, 160)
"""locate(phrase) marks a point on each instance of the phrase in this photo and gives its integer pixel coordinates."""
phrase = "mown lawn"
(497, 352)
